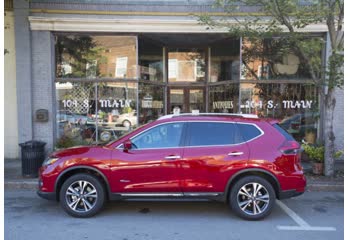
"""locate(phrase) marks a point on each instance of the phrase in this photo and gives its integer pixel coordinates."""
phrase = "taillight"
(290, 148)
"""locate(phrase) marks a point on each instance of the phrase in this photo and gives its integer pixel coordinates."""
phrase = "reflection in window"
(224, 98)
(86, 118)
(225, 60)
(272, 59)
(151, 105)
(75, 114)
(186, 65)
(214, 134)
(116, 104)
(163, 136)
(89, 56)
(150, 60)
(296, 105)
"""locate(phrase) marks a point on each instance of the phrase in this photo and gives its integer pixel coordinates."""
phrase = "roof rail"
(208, 114)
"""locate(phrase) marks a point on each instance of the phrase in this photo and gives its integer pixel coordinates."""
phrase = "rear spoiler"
(272, 121)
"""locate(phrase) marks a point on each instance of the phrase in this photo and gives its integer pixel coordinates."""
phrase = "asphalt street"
(314, 215)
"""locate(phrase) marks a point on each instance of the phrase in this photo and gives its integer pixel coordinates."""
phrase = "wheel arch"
(253, 172)
(81, 169)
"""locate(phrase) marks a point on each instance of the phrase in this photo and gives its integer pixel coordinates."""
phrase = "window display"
(224, 98)
(295, 105)
(93, 113)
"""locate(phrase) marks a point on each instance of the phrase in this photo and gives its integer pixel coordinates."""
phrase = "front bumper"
(47, 195)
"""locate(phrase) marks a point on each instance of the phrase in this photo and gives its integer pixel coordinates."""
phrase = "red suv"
(244, 161)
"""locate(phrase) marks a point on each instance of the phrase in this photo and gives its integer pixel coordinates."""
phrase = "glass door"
(186, 99)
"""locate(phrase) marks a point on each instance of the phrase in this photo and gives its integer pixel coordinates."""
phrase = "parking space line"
(303, 225)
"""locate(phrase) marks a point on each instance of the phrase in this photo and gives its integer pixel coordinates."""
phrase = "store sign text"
(114, 103)
(270, 104)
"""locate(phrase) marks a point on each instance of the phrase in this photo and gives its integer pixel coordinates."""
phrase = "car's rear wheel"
(82, 195)
(252, 198)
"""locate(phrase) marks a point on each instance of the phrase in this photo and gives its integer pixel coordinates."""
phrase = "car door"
(152, 164)
(213, 152)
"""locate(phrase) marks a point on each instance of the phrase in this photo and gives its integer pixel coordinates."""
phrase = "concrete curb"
(311, 187)
(20, 185)
(325, 187)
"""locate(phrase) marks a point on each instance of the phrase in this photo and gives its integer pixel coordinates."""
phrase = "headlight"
(49, 161)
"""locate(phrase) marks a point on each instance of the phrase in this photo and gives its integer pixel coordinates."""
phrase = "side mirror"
(127, 145)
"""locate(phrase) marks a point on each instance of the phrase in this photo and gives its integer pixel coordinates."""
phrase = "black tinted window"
(283, 132)
(211, 133)
(248, 131)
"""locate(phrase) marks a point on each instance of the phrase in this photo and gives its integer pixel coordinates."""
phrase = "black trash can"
(33, 155)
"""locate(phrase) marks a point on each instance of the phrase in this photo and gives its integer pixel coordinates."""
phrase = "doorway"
(186, 99)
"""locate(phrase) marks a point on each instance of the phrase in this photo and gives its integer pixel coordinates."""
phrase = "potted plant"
(316, 156)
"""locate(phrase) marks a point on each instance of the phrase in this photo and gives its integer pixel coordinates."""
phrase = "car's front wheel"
(252, 198)
(82, 195)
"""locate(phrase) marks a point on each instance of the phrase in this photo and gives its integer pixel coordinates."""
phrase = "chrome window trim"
(222, 145)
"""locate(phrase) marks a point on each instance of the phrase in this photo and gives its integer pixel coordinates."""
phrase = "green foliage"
(82, 53)
(287, 19)
(315, 153)
(65, 142)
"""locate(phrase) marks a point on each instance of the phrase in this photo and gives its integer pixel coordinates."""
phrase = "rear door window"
(249, 131)
(212, 133)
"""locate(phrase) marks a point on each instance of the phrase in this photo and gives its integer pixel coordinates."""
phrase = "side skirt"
(167, 196)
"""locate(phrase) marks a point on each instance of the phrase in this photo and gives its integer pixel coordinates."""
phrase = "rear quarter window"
(282, 131)
(249, 131)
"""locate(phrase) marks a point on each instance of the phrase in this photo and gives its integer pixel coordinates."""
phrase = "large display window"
(107, 85)
(94, 113)
(294, 104)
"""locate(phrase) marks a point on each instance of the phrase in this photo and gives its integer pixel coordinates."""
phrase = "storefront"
(89, 71)
(108, 84)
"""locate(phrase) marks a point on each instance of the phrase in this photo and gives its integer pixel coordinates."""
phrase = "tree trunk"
(329, 137)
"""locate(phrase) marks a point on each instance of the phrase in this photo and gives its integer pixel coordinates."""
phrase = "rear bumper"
(47, 195)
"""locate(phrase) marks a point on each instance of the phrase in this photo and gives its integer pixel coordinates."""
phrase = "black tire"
(98, 202)
(235, 198)
(126, 123)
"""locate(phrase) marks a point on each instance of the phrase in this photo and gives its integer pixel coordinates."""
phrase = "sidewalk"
(14, 179)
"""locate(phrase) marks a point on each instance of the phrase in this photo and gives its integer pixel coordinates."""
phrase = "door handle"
(172, 157)
(235, 153)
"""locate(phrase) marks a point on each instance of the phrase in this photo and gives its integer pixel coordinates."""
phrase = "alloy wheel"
(253, 198)
(81, 196)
